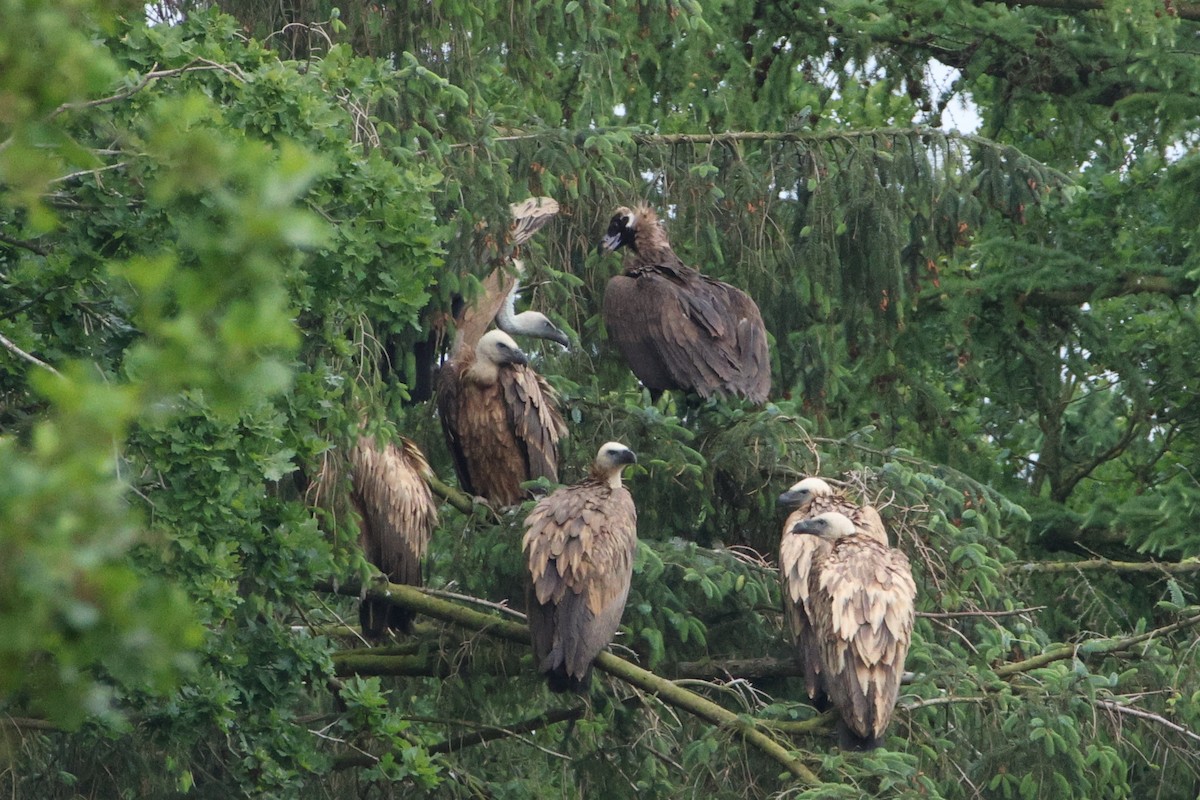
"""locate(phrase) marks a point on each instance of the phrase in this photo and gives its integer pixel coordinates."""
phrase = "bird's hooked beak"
(609, 243)
(809, 527)
(557, 335)
(627, 457)
(516, 357)
(788, 499)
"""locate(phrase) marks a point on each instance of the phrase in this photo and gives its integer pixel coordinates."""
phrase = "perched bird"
(861, 596)
(500, 418)
(396, 516)
(579, 544)
(527, 323)
(677, 328)
(473, 318)
(808, 498)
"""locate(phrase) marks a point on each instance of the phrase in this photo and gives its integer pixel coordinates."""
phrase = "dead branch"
(1134, 711)
(11, 347)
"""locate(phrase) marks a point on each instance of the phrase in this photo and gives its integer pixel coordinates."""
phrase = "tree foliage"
(231, 238)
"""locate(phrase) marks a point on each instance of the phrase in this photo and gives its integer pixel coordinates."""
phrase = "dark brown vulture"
(861, 593)
(396, 516)
(808, 498)
(677, 328)
(579, 544)
(500, 418)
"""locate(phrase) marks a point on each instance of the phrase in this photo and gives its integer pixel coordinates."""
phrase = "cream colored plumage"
(809, 498)
(861, 596)
(396, 517)
(579, 546)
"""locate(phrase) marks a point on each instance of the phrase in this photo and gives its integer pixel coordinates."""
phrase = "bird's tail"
(377, 617)
(851, 741)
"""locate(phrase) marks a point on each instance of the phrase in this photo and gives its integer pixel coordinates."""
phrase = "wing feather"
(863, 605)
(397, 515)
(579, 545)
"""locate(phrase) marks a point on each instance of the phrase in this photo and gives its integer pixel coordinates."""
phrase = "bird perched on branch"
(396, 517)
(861, 596)
(527, 323)
(797, 554)
(675, 327)
(579, 544)
(500, 418)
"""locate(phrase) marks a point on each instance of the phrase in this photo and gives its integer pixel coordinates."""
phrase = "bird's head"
(830, 525)
(539, 326)
(497, 348)
(802, 493)
(621, 230)
(610, 460)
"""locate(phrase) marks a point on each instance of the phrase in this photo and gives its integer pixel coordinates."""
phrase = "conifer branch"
(671, 694)
(1188, 11)
(1092, 647)
(1185, 566)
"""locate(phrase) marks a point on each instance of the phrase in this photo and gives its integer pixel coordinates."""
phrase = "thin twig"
(1134, 711)
(957, 614)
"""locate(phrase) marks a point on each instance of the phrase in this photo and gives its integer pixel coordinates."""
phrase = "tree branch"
(8, 345)
(416, 600)
(30, 246)
(1092, 647)
(1188, 11)
(1185, 566)
(1133, 711)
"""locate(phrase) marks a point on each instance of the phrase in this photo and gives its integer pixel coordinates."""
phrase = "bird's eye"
(624, 220)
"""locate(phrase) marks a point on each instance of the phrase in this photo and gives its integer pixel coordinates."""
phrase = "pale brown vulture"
(579, 546)
(808, 498)
(500, 418)
(677, 328)
(396, 516)
(862, 595)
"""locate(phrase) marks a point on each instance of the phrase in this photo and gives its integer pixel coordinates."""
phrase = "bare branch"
(1185, 566)
(957, 614)
(1133, 711)
(24, 245)
(1188, 11)
(12, 348)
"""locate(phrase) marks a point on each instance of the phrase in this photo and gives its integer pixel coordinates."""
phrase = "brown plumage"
(676, 328)
(808, 498)
(396, 516)
(500, 418)
(579, 546)
(861, 595)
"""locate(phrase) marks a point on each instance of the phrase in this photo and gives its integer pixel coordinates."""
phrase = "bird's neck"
(483, 372)
(610, 479)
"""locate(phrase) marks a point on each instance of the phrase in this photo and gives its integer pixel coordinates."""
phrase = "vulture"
(527, 323)
(396, 517)
(676, 328)
(500, 418)
(579, 545)
(861, 593)
(808, 498)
